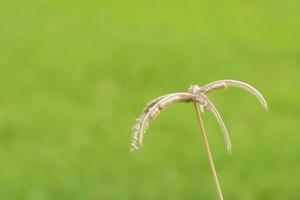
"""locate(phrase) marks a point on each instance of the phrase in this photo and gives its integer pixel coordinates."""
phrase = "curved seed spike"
(136, 130)
(142, 124)
(211, 108)
(195, 89)
(136, 127)
(233, 83)
(152, 111)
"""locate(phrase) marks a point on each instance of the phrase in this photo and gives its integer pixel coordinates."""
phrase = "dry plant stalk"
(208, 152)
(196, 95)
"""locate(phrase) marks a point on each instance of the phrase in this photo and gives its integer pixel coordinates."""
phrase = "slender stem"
(208, 152)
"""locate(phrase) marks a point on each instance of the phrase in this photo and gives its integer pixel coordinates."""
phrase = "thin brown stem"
(208, 152)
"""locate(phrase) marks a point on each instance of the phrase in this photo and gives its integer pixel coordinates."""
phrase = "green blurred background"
(74, 75)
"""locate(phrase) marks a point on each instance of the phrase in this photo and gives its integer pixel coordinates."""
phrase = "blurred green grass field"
(75, 74)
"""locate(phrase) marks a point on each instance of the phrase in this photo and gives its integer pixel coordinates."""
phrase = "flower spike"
(223, 84)
(196, 95)
(153, 109)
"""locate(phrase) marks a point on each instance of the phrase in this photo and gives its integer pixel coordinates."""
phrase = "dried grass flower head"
(196, 95)
(153, 109)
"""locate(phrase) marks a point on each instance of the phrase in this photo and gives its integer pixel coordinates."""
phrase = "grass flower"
(197, 96)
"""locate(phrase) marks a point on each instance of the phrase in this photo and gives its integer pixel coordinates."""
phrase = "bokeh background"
(74, 75)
